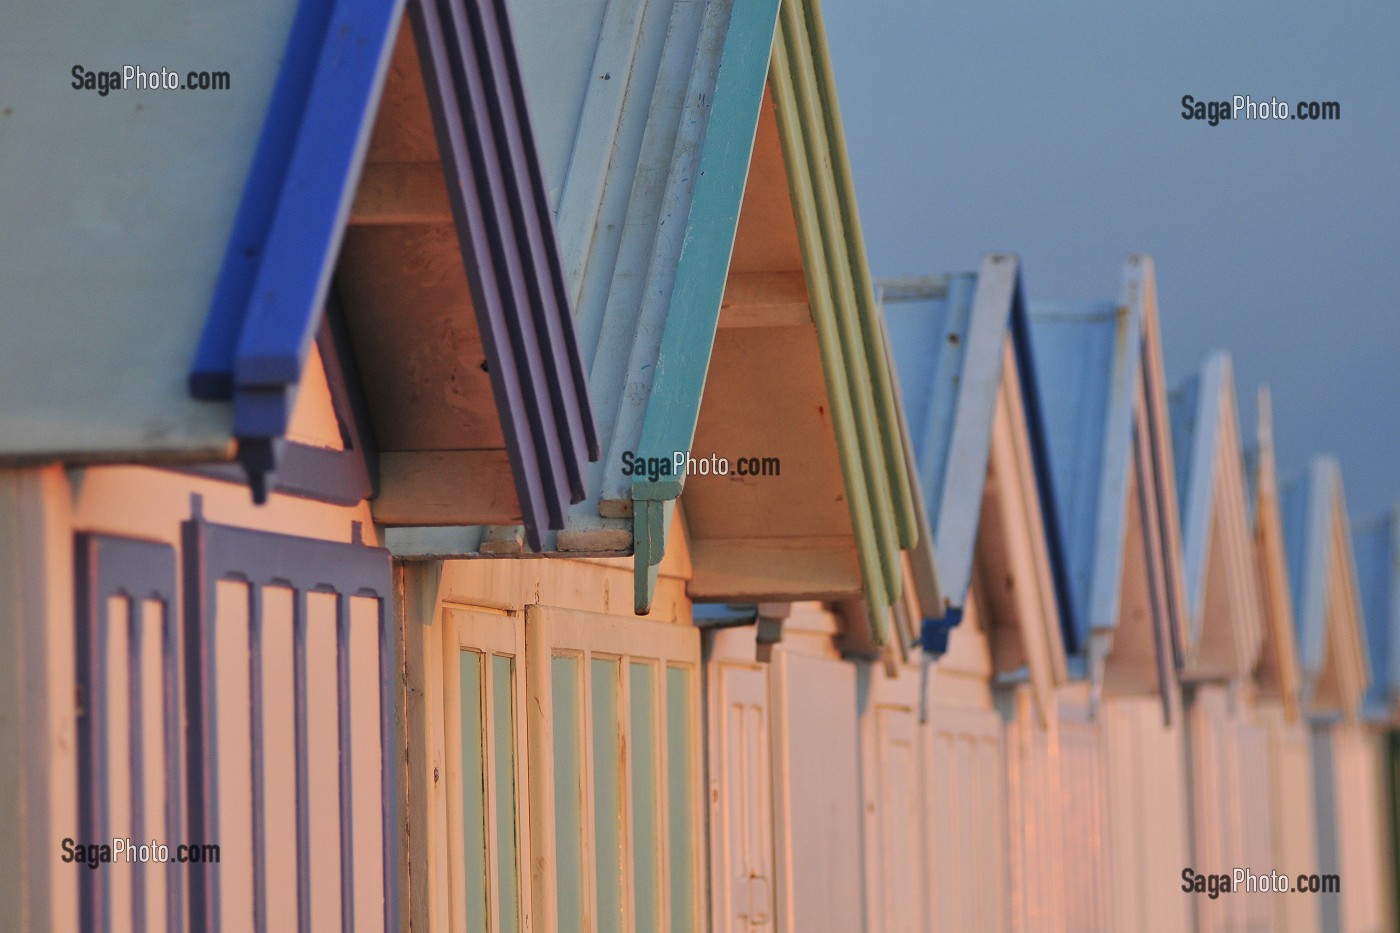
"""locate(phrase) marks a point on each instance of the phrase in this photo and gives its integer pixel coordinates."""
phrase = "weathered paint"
(788, 534)
(859, 386)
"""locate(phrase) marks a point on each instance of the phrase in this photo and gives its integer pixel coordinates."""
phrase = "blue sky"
(1055, 131)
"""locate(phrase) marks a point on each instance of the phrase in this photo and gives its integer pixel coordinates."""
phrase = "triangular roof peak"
(1277, 673)
(645, 119)
(1331, 637)
(1223, 627)
(648, 170)
(961, 349)
(211, 329)
(1099, 369)
(798, 301)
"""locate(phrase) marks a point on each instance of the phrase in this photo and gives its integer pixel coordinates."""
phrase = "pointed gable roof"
(1277, 674)
(1377, 548)
(799, 369)
(646, 117)
(261, 226)
(1322, 574)
(1223, 628)
(962, 351)
(1099, 374)
(660, 272)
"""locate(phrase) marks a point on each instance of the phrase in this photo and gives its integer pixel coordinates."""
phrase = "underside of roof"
(1377, 545)
(645, 115)
(1331, 638)
(1099, 375)
(452, 281)
(849, 343)
(1223, 629)
(781, 531)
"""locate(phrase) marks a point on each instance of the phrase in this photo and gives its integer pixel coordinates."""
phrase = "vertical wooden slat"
(256, 757)
(302, 783)
(117, 715)
(92, 745)
(346, 800)
(136, 755)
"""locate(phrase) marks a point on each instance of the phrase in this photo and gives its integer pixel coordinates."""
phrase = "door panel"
(742, 797)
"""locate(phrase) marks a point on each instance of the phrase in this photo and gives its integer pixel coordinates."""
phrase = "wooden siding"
(1148, 816)
(235, 636)
(1350, 822)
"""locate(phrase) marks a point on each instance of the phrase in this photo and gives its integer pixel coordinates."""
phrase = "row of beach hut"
(361, 514)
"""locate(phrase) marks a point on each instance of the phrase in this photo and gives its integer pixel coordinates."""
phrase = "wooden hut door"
(741, 786)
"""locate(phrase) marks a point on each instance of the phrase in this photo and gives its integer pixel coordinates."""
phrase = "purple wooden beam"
(508, 244)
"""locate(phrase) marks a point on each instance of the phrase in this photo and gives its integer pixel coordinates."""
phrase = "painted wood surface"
(977, 447)
(1292, 813)
(1036, 816)
(818, 831)
(451, 279)
(270, 831)
(856, 367)
(1223, 627)
(1221, 789)
(785, 536)
(135, 165)
(1331, 639)
(743, 882)
(1101, 383)
(1278, 675)
(38, 793)
(1349, 826)
(1148, 816)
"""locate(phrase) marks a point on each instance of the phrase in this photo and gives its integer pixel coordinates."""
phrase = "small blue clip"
(933, 634)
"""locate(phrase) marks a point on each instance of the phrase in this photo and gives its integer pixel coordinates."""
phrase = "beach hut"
(1277, 689)
(1377, 549)
(1336, 675)
(984, 607)
(193, 413)
(712, 247)
(799, 374)
(1223, 635)
(1121, 758)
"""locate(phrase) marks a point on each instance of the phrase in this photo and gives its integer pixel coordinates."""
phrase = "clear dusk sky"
(1055, 131)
